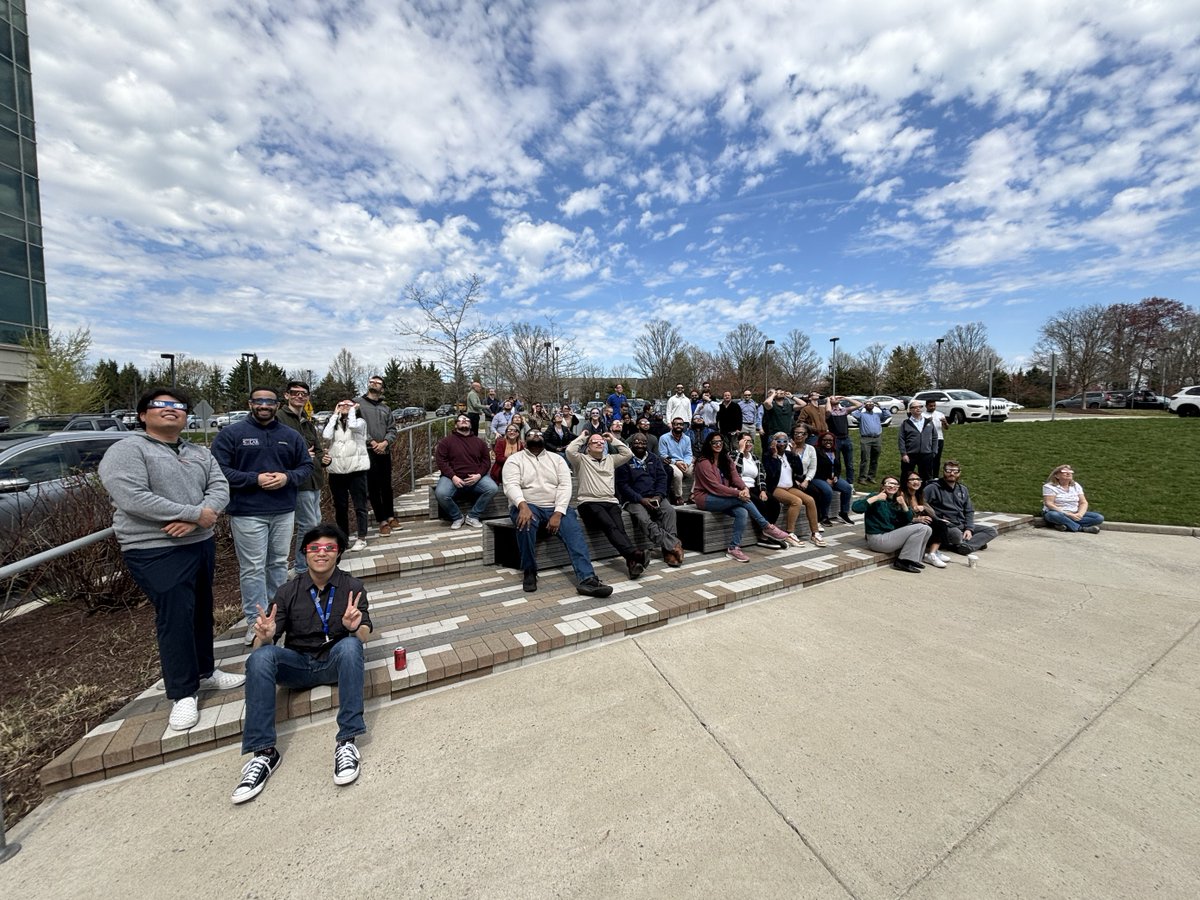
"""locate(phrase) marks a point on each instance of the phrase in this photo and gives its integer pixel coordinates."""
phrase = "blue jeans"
(569, 532)
(483, 491)
(822, 493)
(739, 509)
(272, 665)
(843, 487)
(308, 515)
(262, 544)
(845, 449)
(1054, 517)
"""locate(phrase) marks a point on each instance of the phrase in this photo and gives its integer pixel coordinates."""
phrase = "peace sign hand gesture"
(352, 617)
(264, 626)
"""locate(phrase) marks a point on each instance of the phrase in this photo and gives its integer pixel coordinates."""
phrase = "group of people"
(266, 473)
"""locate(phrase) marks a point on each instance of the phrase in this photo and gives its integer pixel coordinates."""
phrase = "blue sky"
(247, 175)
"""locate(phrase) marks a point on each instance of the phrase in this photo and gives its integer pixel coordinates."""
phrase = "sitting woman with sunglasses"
(889, 526)
(923, 514)
(785, 473)
(718, 488)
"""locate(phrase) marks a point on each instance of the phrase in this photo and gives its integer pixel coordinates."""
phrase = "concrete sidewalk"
(1030, 728)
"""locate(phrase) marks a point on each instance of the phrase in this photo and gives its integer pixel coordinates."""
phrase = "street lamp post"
(1162, 353)
(249, 386)
(557, 387)
(549, 362)
(833, 388)
(766, 362)
(938, 372)
(171, 357)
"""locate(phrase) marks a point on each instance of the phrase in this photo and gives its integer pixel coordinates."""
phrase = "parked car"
(1186, 402)
(37, 472)
(1144, 400)
(322, 417)
(4, 423)
(965, 406)
(408, 414)
(885, 417)
(1093, 400)
(893, 405)
(70, 422)
(232, 419)
(444, 410)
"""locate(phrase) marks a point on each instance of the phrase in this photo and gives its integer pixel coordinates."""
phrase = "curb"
(1137, 528)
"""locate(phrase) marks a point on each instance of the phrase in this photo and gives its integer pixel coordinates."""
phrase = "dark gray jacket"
(378, 416)
(951, 504)
(917, 439)
(312, 436)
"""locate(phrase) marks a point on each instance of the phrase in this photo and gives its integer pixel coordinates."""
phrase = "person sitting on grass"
(718, 488)
(1064, 505)
(889, 526)
(324, 616)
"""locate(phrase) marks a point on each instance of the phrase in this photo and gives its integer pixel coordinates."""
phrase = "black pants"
(474, 417)
(607, 517)
(922, 464)
(344, 488)
(379, 486)
(179, 582)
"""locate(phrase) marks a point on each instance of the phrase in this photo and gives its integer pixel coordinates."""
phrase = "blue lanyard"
(323, 613)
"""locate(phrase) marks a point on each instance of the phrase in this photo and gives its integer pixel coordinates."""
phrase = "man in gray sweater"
(168, 493)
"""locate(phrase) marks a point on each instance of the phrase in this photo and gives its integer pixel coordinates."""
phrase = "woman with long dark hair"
(506, 445)
(348, 463)
(923, 514)
(718, 488)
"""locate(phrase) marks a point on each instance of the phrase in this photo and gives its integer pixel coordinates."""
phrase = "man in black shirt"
(324, 615)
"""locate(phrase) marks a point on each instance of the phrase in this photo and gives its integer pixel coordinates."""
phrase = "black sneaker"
(827, 522)
(530, 581)
(903, 565)
(345, 762)
(255, 774)
(593, 587)
(845, 517)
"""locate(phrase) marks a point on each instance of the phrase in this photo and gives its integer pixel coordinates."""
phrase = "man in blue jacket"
(265, 462)
(642, 487)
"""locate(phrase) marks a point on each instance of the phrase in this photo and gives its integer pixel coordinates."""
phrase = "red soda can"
(401, 659)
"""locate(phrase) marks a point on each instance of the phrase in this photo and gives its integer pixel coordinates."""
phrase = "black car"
(1144, 400)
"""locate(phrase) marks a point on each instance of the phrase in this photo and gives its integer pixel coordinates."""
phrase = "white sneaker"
(184, 714)
(249, 639)
(457, 524)
(933, 560)
(942, 556)
(222, 681)
(474, 522)
(360, 544)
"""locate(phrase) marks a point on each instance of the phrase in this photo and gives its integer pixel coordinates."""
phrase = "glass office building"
(22, 269)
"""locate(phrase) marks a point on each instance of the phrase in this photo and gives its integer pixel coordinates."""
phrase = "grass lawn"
(1132, 471)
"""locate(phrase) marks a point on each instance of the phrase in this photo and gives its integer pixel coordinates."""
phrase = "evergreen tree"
(905, 374)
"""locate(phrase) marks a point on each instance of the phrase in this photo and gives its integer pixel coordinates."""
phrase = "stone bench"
(497, 509)
(500, 544)
(708, 532)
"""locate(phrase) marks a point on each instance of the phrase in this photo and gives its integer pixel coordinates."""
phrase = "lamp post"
(766, 362)
(833, 388)
(1162, 354)
(548, 345)
(171, 357)
(557, 387)
(937, 376)
(249, 387)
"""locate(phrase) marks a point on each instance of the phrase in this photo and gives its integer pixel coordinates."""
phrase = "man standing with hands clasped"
(324, 616)
(168, 493)
(381, 433)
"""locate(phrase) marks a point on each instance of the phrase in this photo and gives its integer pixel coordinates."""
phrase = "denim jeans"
(1054, 517)
(739, 509)
(843, 487)
(262, 544)
(179, 582)
(570, 532)
(822, 493)
(272, 665)
(845, 449)
(308, 515)
(483, 491)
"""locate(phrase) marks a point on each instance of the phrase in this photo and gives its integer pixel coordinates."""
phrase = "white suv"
(1186, 401)
(965, 406)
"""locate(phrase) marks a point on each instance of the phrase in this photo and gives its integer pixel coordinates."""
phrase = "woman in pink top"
(719, 489)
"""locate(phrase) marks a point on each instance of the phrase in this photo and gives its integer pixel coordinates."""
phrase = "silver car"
(36, 474)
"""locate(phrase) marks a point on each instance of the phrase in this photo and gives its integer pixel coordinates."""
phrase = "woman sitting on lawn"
(718, 488)
(889, 526)
(1064, 506)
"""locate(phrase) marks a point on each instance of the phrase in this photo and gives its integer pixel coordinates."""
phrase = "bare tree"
(446, 322)
(798, 366)
(873, 361)
(741, 356)
(349, 372)
(654, 355)
(524, 360)
(1080, 338)
(967, 357)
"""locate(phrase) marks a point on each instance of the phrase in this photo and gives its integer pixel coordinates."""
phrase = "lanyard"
(323, 613)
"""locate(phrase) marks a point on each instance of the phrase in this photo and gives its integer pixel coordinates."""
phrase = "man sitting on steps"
(537, 484)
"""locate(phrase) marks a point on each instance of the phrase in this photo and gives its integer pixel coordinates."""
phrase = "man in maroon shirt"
(463, 460)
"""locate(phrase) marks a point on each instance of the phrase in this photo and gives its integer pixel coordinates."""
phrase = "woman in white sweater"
(346, 452)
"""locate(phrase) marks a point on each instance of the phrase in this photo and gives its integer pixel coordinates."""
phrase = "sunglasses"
(263, 401)
(166, 404)
(321, 548)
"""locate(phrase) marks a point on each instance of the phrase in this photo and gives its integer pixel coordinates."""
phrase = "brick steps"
(460, 621)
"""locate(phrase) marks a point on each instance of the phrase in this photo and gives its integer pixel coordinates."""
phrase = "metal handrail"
(32, 562)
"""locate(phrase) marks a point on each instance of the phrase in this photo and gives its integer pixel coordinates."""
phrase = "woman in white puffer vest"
(346, 448)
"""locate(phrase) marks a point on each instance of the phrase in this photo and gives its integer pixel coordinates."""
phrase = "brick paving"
(459, 618)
